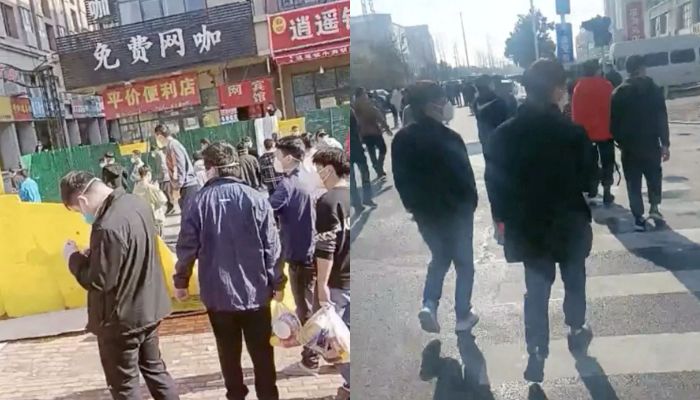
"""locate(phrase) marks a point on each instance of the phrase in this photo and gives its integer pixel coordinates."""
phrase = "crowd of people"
(540, 164)
(242, 220)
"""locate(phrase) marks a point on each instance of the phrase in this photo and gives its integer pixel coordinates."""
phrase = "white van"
(670, 60)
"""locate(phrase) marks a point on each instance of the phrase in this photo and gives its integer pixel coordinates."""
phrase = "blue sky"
(493, 19)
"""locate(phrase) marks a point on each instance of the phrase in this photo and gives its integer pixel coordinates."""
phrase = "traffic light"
(600, 27)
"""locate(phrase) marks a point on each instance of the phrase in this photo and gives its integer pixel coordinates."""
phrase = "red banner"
(310, 26)
(151, 96)
(635, 20)
(21, 110)
(246, 93)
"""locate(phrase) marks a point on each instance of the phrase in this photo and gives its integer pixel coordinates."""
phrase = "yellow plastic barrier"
(286, 125)
(127, 149)
(34, 277)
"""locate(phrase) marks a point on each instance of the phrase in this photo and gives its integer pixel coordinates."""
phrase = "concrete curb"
(684, 122)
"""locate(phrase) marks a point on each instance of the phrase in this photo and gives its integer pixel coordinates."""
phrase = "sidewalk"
(68, 367)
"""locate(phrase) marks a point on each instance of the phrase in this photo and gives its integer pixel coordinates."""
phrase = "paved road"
(643, 303)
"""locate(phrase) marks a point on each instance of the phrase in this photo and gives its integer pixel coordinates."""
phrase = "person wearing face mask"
(541, 163)
(113, 174)
(151, 194)
(136, 163)
(293, 202)
(250, 167)
(180, 169)
(435, 181)
(126, 290)
(332, 250)
(230, 231)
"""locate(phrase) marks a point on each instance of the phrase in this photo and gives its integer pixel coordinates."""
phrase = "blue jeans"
(341, 299)
(450, 241)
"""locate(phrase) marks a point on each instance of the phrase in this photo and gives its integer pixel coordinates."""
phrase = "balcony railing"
(275, 6)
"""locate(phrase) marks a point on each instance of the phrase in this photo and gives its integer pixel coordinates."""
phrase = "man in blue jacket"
(27, 188)
(230, 228)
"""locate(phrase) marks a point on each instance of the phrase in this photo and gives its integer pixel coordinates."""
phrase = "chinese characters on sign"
(565, 43)
(246, 93)
(314, 54)
(97, 9)
(86, 106)
(151, 96)
(635, 20)
(21, 110)
(310, 26)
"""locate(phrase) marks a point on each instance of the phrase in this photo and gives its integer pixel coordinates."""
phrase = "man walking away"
(590, 107)
(541, 163)
(357, 158)
(231, 232)
(163, 177)
(436, 183)
(639, 124)
(490, 110)
(396, 98)
(372, 125)
(293, 203)
(270, 177)
(469, 94)
(180, 168)
(250, 168)
(612, 76)
(333, 242)
(127, 295)
(113, 174)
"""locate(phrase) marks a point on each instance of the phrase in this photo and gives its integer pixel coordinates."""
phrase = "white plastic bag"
(285, 327)
(326, 334)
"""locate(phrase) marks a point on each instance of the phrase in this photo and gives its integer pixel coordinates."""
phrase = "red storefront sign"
(21, 110)
(151, 96)
(309, 28)
(331, 50)
(246, 93)
(635, 20)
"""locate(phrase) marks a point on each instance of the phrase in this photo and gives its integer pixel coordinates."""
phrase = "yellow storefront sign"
(5, 109)
(127, 149)
(286, 126)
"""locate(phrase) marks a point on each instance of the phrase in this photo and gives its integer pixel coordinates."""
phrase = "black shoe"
(381, 175)
(579, 340)
(370, 204)
(535, 368)
(640, 224)
(655, 214)
(608, 197)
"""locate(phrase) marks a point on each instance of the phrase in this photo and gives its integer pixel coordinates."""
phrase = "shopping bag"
(326, 334)
(285, 327)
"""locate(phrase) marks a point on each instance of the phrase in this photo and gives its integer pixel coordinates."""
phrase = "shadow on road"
(455, 381)
(595, 379)
(358, 221)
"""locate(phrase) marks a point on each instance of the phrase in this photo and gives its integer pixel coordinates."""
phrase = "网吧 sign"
(151, 96)
(246, 93)
(21, 109)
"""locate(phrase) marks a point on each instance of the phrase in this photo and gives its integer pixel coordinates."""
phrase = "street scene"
(575, 273)
(174, 199)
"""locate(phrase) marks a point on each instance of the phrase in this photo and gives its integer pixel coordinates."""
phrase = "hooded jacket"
(115, 176)
(490, 111)
(590, 107)
(639, 121)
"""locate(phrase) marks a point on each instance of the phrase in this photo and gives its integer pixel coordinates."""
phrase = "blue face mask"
(89, 219)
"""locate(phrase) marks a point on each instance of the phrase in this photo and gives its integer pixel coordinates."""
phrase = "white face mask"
(448, 112)
(277, 165)
(563, 101)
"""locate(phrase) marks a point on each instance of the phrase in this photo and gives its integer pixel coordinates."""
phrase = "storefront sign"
(21, 110)
(87, 106)
(331, 50)
(101, 11)
(38, 106)
(5, 109)
(229, 116)
(309, 28)
(151, 96)
(166, 44)
(635, 20)
(246, 93)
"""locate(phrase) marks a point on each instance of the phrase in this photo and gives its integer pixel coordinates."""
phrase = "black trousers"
(123, 357)
(230, 329)
(361, 162)
(635, 168)
(604, 154)
(186, 196)
(302, 279)
(376, 147)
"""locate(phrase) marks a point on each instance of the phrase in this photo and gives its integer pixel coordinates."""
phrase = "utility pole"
(464, 39)
(534, 29)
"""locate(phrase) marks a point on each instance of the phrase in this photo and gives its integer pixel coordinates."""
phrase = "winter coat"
(590, 107)
(490, 111)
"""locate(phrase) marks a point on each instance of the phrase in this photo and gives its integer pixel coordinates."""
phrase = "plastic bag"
(285, 327)
(326, 334)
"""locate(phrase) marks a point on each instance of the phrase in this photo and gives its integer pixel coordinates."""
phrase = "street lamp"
(534, 29)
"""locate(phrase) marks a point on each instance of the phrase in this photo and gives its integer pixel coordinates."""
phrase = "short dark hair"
(242, 148)
(205, 141)
(162, 130)
(591, 67)
(294, 127)
(634, 64)
(292, 145)
(268, 143)
(73, 184)
(542, 77)
(109, 155)
(219, 154)
(335, 158)
(321, 132)
(482, 82)
(136, 152)
(144, 170)
(423, 92)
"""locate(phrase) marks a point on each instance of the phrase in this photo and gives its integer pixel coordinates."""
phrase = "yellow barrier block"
(126, 149)
(286, 125)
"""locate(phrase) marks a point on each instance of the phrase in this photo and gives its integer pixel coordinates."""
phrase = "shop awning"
(313, 53)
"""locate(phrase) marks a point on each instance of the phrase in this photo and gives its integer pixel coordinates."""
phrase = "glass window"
(130, 12)
(151, 9)
(682, 56)
(302, 84)
(620, 63)
(51, 37)
(192, 5)
(74, 18)
(325, 80)
(306, 103)
(343, 74)
(9, 21)
(172, 7)
(210, 98)
(656, 59)
(27, 20)
(686, 15)
(663, 22)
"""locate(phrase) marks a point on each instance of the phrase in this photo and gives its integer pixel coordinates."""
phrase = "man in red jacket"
(590, 107)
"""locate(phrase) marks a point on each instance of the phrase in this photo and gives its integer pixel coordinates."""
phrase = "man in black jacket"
(122, 273)
(113, 174)
(359, 159)
(540, 166)
(436, 183)
(639, 124)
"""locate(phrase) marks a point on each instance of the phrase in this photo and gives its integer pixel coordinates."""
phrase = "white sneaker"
(428, 320)
(467, 324)
(299, 369)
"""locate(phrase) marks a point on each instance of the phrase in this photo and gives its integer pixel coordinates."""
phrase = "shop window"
(656, 59)
(210, 98)
(682, 56)
(313, 90)
(343, 74)
(151, 9)
(192, 5)
(172, 7)
(130, 12)
(9, 21)
(325, 80)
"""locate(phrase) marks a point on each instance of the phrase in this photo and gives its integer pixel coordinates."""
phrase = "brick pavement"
(68, 367)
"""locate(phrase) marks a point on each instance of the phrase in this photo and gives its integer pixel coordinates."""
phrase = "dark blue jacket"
(293, 203)
(230, 229)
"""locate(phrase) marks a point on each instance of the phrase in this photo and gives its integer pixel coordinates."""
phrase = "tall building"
(421, 49)
(673, 17)
(30, 74)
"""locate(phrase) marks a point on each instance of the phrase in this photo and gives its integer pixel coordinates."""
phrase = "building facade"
(673, 17)
(421, 49)
(629, 19)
